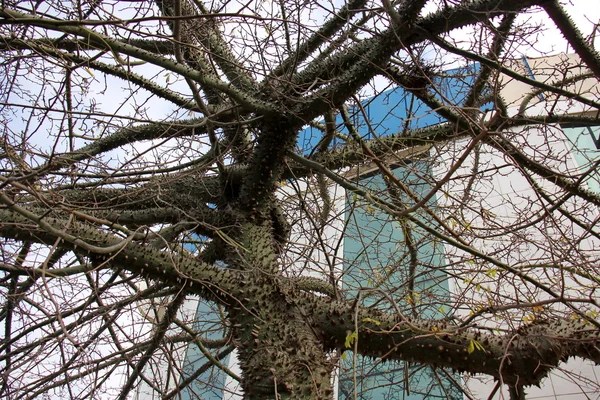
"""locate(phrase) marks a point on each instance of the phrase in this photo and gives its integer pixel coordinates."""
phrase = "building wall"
(503, 196)
(367, 258)
(507, 199)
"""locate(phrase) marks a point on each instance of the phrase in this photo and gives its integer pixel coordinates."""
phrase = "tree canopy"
(329, 191)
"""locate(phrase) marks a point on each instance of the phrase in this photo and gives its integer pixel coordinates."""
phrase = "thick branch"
(569, 30)
(187, 191)
(204, 31)
(327, 30)
(171, 268)
(130, 135)
(523, 356)
(164, 47)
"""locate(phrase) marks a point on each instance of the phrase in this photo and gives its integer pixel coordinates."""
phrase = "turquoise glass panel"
(383, 254)
(586, 150)
(210, 384)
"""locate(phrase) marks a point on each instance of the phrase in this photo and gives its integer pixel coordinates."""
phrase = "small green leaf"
(471, 347)
(350, 338)
(474, 344)
(371, 320)
(479, 346)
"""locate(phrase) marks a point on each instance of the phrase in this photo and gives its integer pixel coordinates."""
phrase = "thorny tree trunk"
(281, 352)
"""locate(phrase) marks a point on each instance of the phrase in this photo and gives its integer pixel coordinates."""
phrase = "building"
(367, 258)
(508, 197)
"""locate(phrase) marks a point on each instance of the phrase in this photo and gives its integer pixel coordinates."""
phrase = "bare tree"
(187, 178)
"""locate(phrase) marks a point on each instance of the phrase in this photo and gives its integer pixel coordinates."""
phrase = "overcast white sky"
(585, 13)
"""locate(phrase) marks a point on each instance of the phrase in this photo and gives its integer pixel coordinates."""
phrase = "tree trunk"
(280, 353)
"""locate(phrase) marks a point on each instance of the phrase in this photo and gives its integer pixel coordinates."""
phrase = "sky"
(585, 13)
